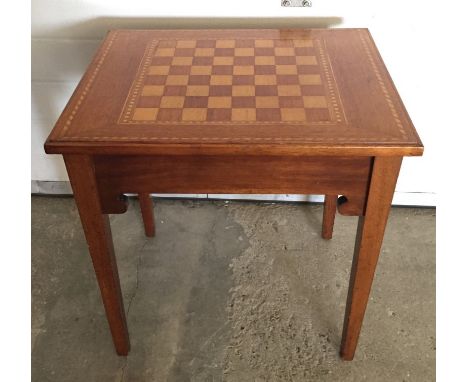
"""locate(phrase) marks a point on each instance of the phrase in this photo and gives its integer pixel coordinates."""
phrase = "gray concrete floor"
(236, 291)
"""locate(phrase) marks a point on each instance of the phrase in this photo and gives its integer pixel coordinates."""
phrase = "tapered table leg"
(146, 206)
(98, 235)
(370, 233)
(329, 212)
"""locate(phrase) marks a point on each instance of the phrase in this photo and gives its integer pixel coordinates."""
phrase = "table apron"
(226, 174)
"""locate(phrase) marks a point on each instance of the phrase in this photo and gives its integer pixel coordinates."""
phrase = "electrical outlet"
(296, 3)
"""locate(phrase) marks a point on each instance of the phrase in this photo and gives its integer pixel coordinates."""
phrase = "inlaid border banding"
(87, 83)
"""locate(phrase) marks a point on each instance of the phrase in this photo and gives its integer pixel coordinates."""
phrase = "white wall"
(65, 34)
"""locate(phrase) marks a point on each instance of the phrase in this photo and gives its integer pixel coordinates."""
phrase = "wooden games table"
(304, 111)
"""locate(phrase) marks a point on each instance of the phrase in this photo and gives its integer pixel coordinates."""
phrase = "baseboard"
(417, 199)
(43, 187)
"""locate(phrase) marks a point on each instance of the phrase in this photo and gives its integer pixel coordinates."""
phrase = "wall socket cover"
(296, 3)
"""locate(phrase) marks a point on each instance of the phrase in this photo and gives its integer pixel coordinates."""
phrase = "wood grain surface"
(233, 174)
(97, 230)
(147, 213)
(329, 212)
(298, 91)
(369, 237)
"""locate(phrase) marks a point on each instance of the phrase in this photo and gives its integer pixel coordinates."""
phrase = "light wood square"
(223, 60)
(303, 43)
(158, 70)
(289, 90)
(225, 43)
(177, 80)
(221, 80)
(182, 61)
(164, 52)
(200, 70)
(243, 90)
(264, 60)
(289, 114)
(186, 43)
(315, 101)
(267, 102)
(284, 51)
(244, 70)
(197, 90)
(145, 114)
(194, 114)
(265, 79)
(172, 102)
(242, 52)
(204, 52)
(264, 43)
(286, 69)
(152, 90)
(306, 60)
(310, 79)
(243, 114)
(219, 102)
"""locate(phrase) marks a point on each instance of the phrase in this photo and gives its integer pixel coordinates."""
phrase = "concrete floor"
(237, 291)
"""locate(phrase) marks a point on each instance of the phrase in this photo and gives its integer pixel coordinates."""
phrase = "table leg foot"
(370, 233)
(98, 235)
(146, 206)
(329, 212)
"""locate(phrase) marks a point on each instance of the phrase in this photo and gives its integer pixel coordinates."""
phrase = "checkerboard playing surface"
(233, 81)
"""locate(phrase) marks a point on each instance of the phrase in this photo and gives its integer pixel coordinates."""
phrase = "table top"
(299, 91)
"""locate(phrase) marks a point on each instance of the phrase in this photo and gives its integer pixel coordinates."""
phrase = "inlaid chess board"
(291, 88)
(229, 80)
